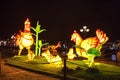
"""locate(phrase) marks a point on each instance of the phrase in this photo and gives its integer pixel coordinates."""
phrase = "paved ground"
(13, 73)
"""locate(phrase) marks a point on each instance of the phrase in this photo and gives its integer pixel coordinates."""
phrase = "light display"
(92, 52)
(40, 44)
(50, 58)
(89, 47)
(37, 44)
(24, 39)
(85, 47)
(70, 54)
(51, 53)
(31, 55)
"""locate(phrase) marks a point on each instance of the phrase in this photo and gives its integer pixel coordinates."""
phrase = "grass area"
(77, 68)
(106, 71)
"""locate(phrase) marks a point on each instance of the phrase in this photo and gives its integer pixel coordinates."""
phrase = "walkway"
(13, 73)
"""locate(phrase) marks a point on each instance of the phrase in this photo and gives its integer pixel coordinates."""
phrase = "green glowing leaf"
(38, 43)
(94, 51)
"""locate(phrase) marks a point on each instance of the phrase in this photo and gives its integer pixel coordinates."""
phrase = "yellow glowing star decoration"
(82, 46)
(25, 39)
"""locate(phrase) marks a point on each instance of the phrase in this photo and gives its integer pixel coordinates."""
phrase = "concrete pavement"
(13, 73)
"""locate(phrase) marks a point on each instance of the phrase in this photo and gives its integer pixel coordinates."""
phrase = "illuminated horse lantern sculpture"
(82, 46)
(25, 39)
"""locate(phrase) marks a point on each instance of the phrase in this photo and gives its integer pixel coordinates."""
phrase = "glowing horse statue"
(25, 39)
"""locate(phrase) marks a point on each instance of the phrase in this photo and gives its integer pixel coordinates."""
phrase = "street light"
(84, 30)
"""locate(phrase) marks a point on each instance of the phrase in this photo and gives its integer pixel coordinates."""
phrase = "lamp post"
(64, 52)
(0, 64)
(84, 30)
(64, 73)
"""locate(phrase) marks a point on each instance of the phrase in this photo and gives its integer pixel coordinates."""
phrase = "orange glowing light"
(31, 55)
(89, 47)
(91, 42)
(70, 54)
(50, 58)
(25, 39)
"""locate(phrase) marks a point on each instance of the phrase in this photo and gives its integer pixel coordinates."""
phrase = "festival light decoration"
(88, 46)
(40, 45)
(37, 31)
(75, 37)
(24, 39)
(92, 52)
(50, 58)
(51, 53)
(70, 54)
(31, 55)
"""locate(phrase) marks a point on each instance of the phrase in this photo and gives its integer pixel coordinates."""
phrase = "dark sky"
(60, 18)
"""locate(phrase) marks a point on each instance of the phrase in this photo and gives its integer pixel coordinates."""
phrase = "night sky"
(60, 18)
